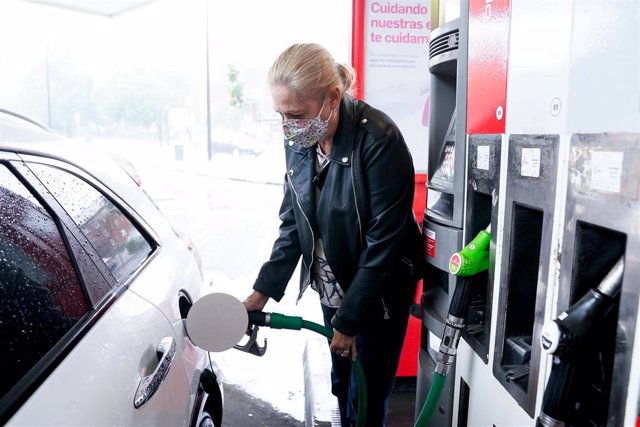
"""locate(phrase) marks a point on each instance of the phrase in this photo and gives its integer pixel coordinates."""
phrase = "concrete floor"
(243, 409)
(401, 410)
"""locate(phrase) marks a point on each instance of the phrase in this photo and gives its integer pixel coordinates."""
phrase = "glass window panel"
(40, 295)
(115, 238)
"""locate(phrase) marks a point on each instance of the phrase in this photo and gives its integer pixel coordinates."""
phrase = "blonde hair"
(310, 71)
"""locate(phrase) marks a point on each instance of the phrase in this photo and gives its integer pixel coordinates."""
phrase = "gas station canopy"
(109, 8)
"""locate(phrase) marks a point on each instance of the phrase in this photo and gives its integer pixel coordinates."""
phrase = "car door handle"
(148, 385)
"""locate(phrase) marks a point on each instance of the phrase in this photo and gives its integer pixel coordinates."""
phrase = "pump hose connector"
(449, 345)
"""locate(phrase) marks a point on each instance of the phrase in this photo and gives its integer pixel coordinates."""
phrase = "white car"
(94, 289)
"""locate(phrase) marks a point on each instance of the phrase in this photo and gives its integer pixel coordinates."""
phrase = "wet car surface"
(94, 287)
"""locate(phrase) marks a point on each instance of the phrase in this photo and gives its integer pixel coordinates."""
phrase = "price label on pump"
(606, 171)
(483, 157)
(530, 165)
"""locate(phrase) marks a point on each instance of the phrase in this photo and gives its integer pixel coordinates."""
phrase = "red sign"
(430, 243)
(487, 66)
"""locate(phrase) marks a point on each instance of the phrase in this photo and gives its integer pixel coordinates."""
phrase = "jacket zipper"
(409, 264)
(386, 310)
(355, 199)
(313, 239)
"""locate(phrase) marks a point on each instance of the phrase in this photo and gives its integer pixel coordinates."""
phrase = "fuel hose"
(433, 398)
(296, 323)
(218, 321)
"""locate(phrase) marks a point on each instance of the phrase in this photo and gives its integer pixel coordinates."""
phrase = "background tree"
(236, 88)
(237, 100)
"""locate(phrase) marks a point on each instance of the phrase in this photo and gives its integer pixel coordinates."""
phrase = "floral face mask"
(306, 132)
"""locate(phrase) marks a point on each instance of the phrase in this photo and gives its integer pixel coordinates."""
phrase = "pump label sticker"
(455, 263)
(430, 243)
(530, 162)
(606, 171)
(483, 157)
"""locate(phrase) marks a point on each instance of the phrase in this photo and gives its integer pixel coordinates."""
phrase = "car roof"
(17, 128)
(21, 135)
(24, 137)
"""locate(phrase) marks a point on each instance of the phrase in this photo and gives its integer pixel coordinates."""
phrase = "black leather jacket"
(364, 216)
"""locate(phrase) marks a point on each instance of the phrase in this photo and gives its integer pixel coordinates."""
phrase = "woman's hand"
(256, 301)
(343, 345)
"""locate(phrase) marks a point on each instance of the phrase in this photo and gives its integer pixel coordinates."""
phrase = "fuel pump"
(568, 337)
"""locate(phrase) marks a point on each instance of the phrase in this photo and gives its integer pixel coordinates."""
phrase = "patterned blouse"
(324, 282)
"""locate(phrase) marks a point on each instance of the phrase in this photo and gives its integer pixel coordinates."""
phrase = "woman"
(347, 210)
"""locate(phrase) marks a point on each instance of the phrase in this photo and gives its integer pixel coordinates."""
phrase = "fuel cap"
(217, 322)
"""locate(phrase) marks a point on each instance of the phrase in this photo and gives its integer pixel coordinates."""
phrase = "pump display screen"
(445, 169)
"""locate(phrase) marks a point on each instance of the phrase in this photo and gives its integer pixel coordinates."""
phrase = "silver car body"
(133, 331)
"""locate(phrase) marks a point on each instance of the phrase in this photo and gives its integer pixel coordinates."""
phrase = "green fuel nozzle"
(473, 258)
(470, 261)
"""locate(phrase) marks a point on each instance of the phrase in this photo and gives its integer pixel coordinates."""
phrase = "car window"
(122, 247)
(41, 297)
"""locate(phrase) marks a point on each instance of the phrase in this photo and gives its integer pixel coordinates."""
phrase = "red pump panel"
(357, 46)
(487, 66)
